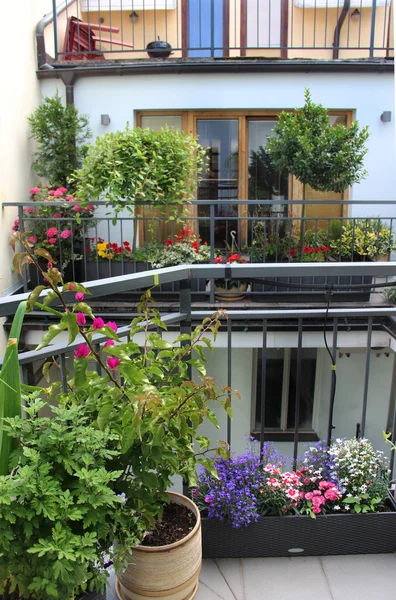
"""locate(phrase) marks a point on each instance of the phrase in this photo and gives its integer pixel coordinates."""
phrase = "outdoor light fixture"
(355, 15)
(134, 17)
(386, 116)
(105, 119)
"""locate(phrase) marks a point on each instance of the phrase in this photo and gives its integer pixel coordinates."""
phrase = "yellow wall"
(20, 95)
(306, 29)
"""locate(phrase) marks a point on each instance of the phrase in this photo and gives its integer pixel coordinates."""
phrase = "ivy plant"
(141, 165)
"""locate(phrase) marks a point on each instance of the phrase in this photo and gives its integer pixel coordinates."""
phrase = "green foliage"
(141, 165)
(60, 133)
(10, 388)
(272, 241)
(324, 157)
(369, 238)
(59, 511)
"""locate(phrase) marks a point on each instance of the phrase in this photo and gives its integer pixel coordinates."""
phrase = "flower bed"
(337, 502)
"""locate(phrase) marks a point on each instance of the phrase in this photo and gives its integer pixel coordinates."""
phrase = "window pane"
(157, 122)
(273, 388)
(307, 388)
(265, 183)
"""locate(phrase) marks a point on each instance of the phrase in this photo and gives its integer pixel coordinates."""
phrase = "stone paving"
(360, 577)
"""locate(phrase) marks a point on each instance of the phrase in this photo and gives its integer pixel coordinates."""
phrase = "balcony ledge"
(209, 65)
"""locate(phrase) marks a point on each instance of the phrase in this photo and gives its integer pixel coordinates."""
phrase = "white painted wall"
(367, 94)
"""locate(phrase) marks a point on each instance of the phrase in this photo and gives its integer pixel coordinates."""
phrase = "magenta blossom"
(63, 190)
(57, 193)
(57, 215)
(52, 241)
(79, 295)
(77, 208)
(71, 287)
(34, 190)
(81, 320)
(82, 351)
(52, 232)
(112, 325)
(69, 198)
(98, 323)
(33, 239)
(112, 362)
(30, 209)
(65, 234)
(108, 343)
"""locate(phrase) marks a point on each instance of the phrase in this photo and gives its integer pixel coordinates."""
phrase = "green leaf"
(44, 254)
(52, 332)
(70, 320)
(197, 364)
(128, 437)
(33, 296)
(80, 372)
(84, 308)
(103, 415)
(50, 297)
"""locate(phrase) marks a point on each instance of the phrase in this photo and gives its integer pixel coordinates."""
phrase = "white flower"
(336, 507)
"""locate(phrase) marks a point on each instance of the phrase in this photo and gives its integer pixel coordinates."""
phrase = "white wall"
(19, 96)
(367, 94)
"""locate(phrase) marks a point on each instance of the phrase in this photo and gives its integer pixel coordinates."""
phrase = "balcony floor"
(359, 577)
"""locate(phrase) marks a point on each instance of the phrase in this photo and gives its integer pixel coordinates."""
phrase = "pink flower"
(112, 362)
(57, 194)
(50, 265)
(331, 494)
(34, 190)
(65, 234)
(82, 351)
(317, 493)
(292, 493)
(30, 209)
(81, 320)
(16, 225)
(33, 239)
(71, 287)
(316, 509)
(309, 496)
(112, 325)
(52, 232)
(77, 208)
(51, 192)
(325, 485)
(52, 240)
(90, 207)
(218, 260)
(79, 295)
(57, 215)
(108, 343)
(98, 323)
(63, 190)
(208, 499)
(69, 198)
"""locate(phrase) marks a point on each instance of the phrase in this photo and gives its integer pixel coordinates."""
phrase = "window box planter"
(301, 536)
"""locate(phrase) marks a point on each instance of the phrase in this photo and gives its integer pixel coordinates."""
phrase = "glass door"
(220, 180)
(205, 28)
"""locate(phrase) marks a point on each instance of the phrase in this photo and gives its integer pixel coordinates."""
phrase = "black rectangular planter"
(301, 536)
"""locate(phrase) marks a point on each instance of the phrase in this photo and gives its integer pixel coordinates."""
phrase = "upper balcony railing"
(87, 30)
(210, 232)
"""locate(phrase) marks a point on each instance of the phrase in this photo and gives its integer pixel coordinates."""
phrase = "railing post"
(55, 14)
(298, 393)
(372, 33)
(22, 230)
(185, 327)
(212, 245)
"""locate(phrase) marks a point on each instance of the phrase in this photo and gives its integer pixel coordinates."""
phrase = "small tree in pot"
(326, 158)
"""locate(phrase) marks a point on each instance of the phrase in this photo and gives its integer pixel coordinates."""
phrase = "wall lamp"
(386, 116)
(134, 17)
(105, 119)
(356, 14)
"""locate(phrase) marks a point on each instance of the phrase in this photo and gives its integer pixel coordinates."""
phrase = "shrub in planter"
(144, 397)
(363, 239)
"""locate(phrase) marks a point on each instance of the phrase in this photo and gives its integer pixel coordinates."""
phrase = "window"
(280, 390)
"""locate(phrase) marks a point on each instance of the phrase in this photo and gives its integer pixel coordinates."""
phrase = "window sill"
(287, 436)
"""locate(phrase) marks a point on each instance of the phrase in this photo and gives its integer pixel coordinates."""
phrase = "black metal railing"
(257, 231)
(373, 330)
(111, 29)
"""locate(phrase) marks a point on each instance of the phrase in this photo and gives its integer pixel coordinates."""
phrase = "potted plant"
(336, 502)
(147, 399)
(185, 248)
(230, 289)
(110, 259)
(55, 229)
(363, 239)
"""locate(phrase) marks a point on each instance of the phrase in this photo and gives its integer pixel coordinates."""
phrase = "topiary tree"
(141, 165)
(60, 132)
(326, 158)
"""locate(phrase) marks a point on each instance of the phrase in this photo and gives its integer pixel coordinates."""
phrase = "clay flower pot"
(235, 292)
(168, 572)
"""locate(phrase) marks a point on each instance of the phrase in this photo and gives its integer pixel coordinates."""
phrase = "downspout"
(337, 31)
(41, 25)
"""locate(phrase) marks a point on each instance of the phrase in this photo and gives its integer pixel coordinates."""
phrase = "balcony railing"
(197, 29)
(210, 232)
(370, 330)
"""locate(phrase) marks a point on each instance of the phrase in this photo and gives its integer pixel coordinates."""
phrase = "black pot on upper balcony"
(159, 49)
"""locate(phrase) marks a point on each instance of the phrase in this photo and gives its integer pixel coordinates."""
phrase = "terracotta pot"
(168, 572)
(233, 293)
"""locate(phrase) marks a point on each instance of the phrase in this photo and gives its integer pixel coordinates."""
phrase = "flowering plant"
(370, 238)
(347, 477)
(55, 228)
(183, 249)
(310, 253)
(234, 257)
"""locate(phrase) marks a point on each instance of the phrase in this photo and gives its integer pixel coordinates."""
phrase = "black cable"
(333, 369)
(318, 287)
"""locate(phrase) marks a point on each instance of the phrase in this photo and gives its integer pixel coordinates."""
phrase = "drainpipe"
(337, 31)
(41, 25)
(68, 79)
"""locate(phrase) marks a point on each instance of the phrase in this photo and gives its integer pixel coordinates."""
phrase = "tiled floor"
(360, 577)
